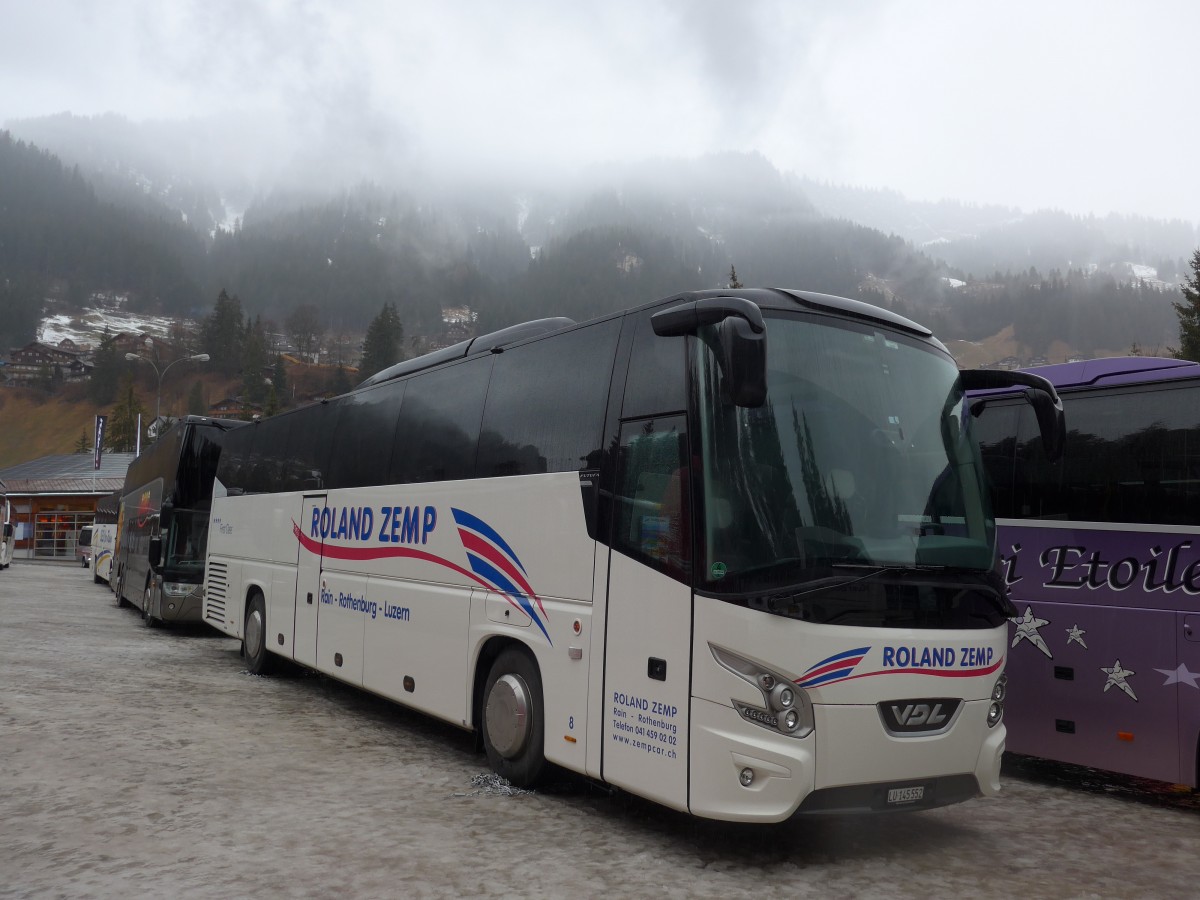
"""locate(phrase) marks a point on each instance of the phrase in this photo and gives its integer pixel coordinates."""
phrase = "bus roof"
(1115, 370)
(764, 298)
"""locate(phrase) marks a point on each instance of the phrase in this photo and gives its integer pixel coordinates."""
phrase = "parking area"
(139, 762)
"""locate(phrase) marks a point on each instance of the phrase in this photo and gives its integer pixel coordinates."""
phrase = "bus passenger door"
(308, 582)
(647, 658)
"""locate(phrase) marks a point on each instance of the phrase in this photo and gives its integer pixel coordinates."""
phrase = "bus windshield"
(188, 541)
(860, 460)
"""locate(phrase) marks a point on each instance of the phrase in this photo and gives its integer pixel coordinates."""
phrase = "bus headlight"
(786, 707)
(996, 709)
(1000, 691)
(177, 589)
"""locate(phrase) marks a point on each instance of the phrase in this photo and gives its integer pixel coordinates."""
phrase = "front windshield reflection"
(861, 456)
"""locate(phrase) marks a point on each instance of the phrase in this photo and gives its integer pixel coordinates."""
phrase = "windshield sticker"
(718, 571)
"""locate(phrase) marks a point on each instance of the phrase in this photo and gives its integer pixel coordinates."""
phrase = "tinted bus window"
(366, 426)
(233, 467)
(438, 429)
(1130, 456)
(657, 381)
(545, 406)
(306, 454)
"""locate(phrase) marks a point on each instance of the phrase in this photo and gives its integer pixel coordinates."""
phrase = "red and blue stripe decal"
(832, 668)
(841, 666)
(495, 562)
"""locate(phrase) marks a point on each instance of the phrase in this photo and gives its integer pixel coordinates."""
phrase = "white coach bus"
(729, 553)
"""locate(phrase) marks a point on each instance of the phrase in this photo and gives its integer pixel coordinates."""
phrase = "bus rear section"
(743, 584)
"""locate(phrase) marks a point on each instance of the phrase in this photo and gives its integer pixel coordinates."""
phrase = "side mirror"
(744, 362)
(155, 552)
(741, 333)
(164, 516)
(1037, 391)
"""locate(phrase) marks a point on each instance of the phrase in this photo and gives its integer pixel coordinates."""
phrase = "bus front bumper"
(848, 764)
(182, 607)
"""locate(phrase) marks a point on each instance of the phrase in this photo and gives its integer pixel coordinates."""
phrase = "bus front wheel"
(513, 724)
(254, 640)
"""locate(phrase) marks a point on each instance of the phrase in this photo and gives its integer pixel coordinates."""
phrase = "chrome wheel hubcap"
(254, 633)
(508, 715)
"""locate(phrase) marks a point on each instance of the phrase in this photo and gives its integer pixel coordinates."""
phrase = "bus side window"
(437, 431)
(657, 380)
(545, 405)
(652, 522)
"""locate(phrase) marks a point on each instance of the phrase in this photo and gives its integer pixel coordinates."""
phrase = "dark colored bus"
(162, 521)
(1101, 552)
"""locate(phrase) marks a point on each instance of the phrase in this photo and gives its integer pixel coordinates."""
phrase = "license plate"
(906, 795)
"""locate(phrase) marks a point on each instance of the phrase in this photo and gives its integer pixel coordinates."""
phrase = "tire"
(148, 618)
(254, 641)
(96, 579)
(512, 720)
(119, 589)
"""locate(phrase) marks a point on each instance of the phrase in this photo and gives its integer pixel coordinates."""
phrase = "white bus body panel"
(404, 597)
(645, 719)
(849, 745)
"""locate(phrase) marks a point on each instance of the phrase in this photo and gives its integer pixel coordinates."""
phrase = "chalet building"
(35, 360)
(235, 408)
(53, 497)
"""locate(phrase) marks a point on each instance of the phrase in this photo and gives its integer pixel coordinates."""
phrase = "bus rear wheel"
(512, 721)
(120, 590)
(254, 640)
(148, 617)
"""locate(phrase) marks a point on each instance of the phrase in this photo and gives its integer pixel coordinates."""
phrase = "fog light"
(1000, 691)
(995, 714)
(746, 777)
(790, 720)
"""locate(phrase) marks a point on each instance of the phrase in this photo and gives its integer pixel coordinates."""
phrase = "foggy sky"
(1082, 106)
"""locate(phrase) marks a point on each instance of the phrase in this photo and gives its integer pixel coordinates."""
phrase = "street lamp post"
(199, 357)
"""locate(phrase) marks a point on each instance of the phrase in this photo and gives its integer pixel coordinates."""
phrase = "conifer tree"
(254, 360)
(734, 284)
(222, 334)
(107, 366)
(196, 405)
(1189, 314)
(279, 378)
(81, 445)
(384, 343)
(122, 432)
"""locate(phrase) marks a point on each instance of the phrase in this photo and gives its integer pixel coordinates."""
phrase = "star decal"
(1116, 678)
(1180, 676)
(1027, 630)
(1075, 633)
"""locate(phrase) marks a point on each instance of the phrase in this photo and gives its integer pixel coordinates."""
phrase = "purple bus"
(1101, 555)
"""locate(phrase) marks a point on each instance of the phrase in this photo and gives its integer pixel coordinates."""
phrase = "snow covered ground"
(87, 326)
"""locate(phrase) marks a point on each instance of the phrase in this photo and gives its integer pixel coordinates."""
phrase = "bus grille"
(214, 598)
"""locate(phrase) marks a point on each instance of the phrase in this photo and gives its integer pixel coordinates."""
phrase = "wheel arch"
(488, 653)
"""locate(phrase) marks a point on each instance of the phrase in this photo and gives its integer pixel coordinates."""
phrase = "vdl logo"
(919, 717)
